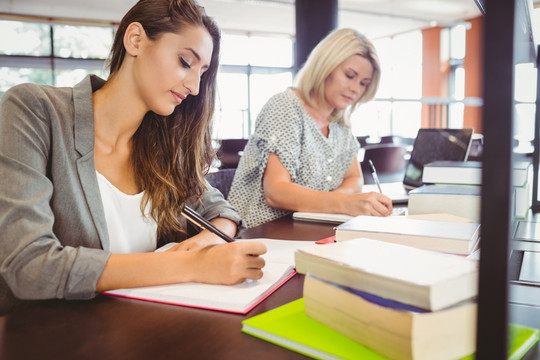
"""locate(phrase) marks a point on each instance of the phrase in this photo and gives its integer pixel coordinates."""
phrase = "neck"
(319, 112)
(116, 116)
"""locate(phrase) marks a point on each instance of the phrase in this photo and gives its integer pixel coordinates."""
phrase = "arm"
(213, 207)
(282, 193)
(220, 264)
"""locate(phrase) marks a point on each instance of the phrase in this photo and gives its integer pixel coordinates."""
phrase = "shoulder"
(35, 91)
(32, 97)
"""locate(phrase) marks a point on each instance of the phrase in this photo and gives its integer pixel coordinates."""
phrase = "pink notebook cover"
(245, 311)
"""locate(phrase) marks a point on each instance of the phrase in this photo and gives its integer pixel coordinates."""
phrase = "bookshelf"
(507, 41)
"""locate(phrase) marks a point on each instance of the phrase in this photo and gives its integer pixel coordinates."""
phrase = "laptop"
(430, 145)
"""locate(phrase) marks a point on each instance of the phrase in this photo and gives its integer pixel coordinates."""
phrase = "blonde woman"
(303, 155)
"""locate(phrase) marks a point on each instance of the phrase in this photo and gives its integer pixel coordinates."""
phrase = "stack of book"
(368, 299)
(400, 301)
(454, 186)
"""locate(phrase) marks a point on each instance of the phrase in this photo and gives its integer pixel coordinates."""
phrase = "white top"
(129, 231)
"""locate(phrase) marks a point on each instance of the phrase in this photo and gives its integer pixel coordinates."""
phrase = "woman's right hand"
(229, 263)
(371, 203)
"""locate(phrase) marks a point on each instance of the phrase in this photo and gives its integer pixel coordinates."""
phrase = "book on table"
(453, 172)
(321, 217)
(290, 327)
(460, 200)
(422, 278)
(335, 218)
(391, 328)
(240, 298)
(469, 172)
(457, 237)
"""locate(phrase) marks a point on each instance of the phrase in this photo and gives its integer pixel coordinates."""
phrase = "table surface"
(119, 328)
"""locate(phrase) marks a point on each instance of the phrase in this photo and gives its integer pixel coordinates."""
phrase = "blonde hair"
(335, 48)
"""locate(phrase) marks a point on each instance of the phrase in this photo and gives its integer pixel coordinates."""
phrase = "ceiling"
(375, 18)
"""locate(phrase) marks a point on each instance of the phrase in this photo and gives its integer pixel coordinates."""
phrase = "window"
(253, 68)
(525, 97)
(396, 109)
(51, 54)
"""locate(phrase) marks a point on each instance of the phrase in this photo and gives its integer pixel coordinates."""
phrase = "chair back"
(230, 151)
(222, 180)
(388, 159)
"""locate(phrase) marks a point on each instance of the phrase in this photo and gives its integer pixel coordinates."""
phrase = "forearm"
(351, 185)
(293, 197)
(146, 269)
(229, 263)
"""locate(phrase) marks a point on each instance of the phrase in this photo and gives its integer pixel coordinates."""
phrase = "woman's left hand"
(197, 242)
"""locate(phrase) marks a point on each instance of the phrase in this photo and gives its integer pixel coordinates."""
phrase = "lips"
(348, 99)
(178, 97)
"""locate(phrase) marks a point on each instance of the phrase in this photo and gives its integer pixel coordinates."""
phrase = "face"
(169, 69)
(347, 82)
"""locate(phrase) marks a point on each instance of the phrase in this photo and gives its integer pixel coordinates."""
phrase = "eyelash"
(185, 63)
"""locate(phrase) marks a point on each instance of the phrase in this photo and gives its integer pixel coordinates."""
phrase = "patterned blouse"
(314, 161)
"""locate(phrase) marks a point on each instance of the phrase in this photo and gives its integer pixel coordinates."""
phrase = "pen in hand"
(374, 174)
(203, 224)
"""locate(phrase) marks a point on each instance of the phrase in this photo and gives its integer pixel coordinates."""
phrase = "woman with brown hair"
(94, 177)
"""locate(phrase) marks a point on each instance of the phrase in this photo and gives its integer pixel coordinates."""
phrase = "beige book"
(392, 330)
(422, 278)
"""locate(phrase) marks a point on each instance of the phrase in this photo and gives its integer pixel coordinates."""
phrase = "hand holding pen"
(374, 174)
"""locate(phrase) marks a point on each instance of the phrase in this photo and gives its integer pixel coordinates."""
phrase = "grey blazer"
(52, 224)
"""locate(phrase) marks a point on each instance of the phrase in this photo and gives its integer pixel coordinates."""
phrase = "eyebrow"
(354, 71)
(196, 54)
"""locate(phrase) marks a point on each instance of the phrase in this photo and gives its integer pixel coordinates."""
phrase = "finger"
(254, 274)
(255, 262)
(252, 248)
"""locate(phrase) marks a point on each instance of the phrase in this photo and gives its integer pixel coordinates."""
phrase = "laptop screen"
(436, 144)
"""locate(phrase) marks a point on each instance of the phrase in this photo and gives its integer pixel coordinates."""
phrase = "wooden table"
(118, 328)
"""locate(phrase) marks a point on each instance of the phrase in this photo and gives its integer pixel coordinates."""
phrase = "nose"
(192, 83)
(356, 87)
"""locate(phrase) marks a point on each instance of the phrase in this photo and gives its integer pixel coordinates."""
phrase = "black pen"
(204, 224)
(374, 174)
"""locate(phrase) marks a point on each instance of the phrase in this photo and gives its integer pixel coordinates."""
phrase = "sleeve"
(213, 205)
(279, 130)
(33, 262)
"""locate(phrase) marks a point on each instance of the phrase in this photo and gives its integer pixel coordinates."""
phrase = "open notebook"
(240, 298)
(430, 145)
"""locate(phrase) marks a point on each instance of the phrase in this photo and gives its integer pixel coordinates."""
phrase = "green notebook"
(290, 327)
(522, 339)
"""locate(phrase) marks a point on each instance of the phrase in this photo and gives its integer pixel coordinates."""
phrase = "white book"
(453, 172)
(335, 218)
(422, 278)
(469, 172)
(240, 298)
(458, 237)
(321, 217)
(459, 200)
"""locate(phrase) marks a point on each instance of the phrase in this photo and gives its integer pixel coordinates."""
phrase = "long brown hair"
(171, 154)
